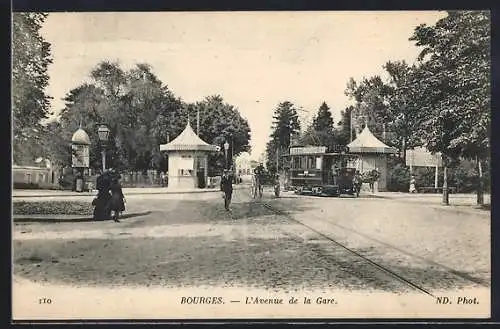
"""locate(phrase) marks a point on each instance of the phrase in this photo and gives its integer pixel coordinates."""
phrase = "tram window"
(318, 163)
(296, 163)
(311, 162)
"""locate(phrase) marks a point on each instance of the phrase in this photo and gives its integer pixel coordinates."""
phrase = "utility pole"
(197, 121)
(277, 159)
(480, 193)
(232, 151)
(446, 199)
(350, 124)
(436, 176)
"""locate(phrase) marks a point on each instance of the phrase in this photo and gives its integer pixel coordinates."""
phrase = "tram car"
(322, 171)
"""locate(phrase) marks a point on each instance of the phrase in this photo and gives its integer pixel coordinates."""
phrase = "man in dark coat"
(226, 186)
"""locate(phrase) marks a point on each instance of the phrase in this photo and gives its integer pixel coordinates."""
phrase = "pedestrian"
(277, 185)
(357, 182)
(413, 183)
(162, 177)
(226, 186)
(117, 204)
(102, 201)
(374, 176)
(259, 173)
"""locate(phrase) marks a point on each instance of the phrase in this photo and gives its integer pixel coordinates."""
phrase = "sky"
(254, 60)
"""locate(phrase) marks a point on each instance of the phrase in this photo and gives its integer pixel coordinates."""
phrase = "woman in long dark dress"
(117, 204)
(101, 202)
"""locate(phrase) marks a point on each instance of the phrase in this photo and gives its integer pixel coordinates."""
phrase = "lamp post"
(103, 133)
(226, 148)
(232, 151)
(350, 125)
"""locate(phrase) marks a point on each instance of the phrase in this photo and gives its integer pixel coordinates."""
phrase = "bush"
(398, 178)
(461, 174)
(52, 208)
(26, 186)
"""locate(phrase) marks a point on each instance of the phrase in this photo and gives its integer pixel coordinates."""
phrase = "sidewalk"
(126, 191)
(456, 198)
(457, 202)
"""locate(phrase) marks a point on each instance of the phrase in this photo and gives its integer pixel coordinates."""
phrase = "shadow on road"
(61, 219)
(284, 263)
(174, 212)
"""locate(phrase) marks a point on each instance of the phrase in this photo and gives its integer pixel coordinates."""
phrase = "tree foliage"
(443, 101)
(286, 126)
(344, 129)
(454, 84)
(370, 107)
(321, 132)
(142, 113)
(30, 104)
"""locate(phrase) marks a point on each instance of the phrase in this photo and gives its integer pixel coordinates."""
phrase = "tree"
(345, 132)
(370, 107)
(391, 108)
(30, 104)
(285, 126)
(454, 86)
(142, 113)
(129, 103)
(220, 122)
(403, 105)
(321, 132)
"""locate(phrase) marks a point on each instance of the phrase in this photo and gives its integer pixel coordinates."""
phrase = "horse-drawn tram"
(322, 171)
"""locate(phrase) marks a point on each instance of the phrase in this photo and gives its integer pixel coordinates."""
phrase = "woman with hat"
(117, 203)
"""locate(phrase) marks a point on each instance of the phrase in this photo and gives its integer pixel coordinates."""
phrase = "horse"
(371, 177)
(256, 186)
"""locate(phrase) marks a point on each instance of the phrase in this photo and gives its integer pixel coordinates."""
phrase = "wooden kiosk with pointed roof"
(187, 160)
(372, 155)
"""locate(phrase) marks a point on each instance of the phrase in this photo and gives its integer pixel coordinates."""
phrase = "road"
(284, 244)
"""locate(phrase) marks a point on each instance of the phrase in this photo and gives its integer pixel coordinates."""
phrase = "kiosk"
(187, 160)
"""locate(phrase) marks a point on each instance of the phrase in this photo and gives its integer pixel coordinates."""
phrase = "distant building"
(243, 164)
(34, 177)
(254, 164)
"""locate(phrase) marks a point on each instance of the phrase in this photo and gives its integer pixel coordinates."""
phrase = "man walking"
(226, 186)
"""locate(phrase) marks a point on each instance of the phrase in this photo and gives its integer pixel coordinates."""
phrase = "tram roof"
(322, 154)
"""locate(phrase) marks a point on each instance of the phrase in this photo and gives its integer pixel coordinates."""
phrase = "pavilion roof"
(187, 141)
(366, 142)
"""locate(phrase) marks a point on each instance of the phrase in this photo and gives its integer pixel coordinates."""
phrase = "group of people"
(370, 177)
(110, 201)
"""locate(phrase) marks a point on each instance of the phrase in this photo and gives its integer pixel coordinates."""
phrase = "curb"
(67, 218)
(469, 211)
(451, 207)
(50, 218)
(126, 193)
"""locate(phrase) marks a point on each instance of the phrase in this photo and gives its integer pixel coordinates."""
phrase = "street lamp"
(103, 133)
(226, 148)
